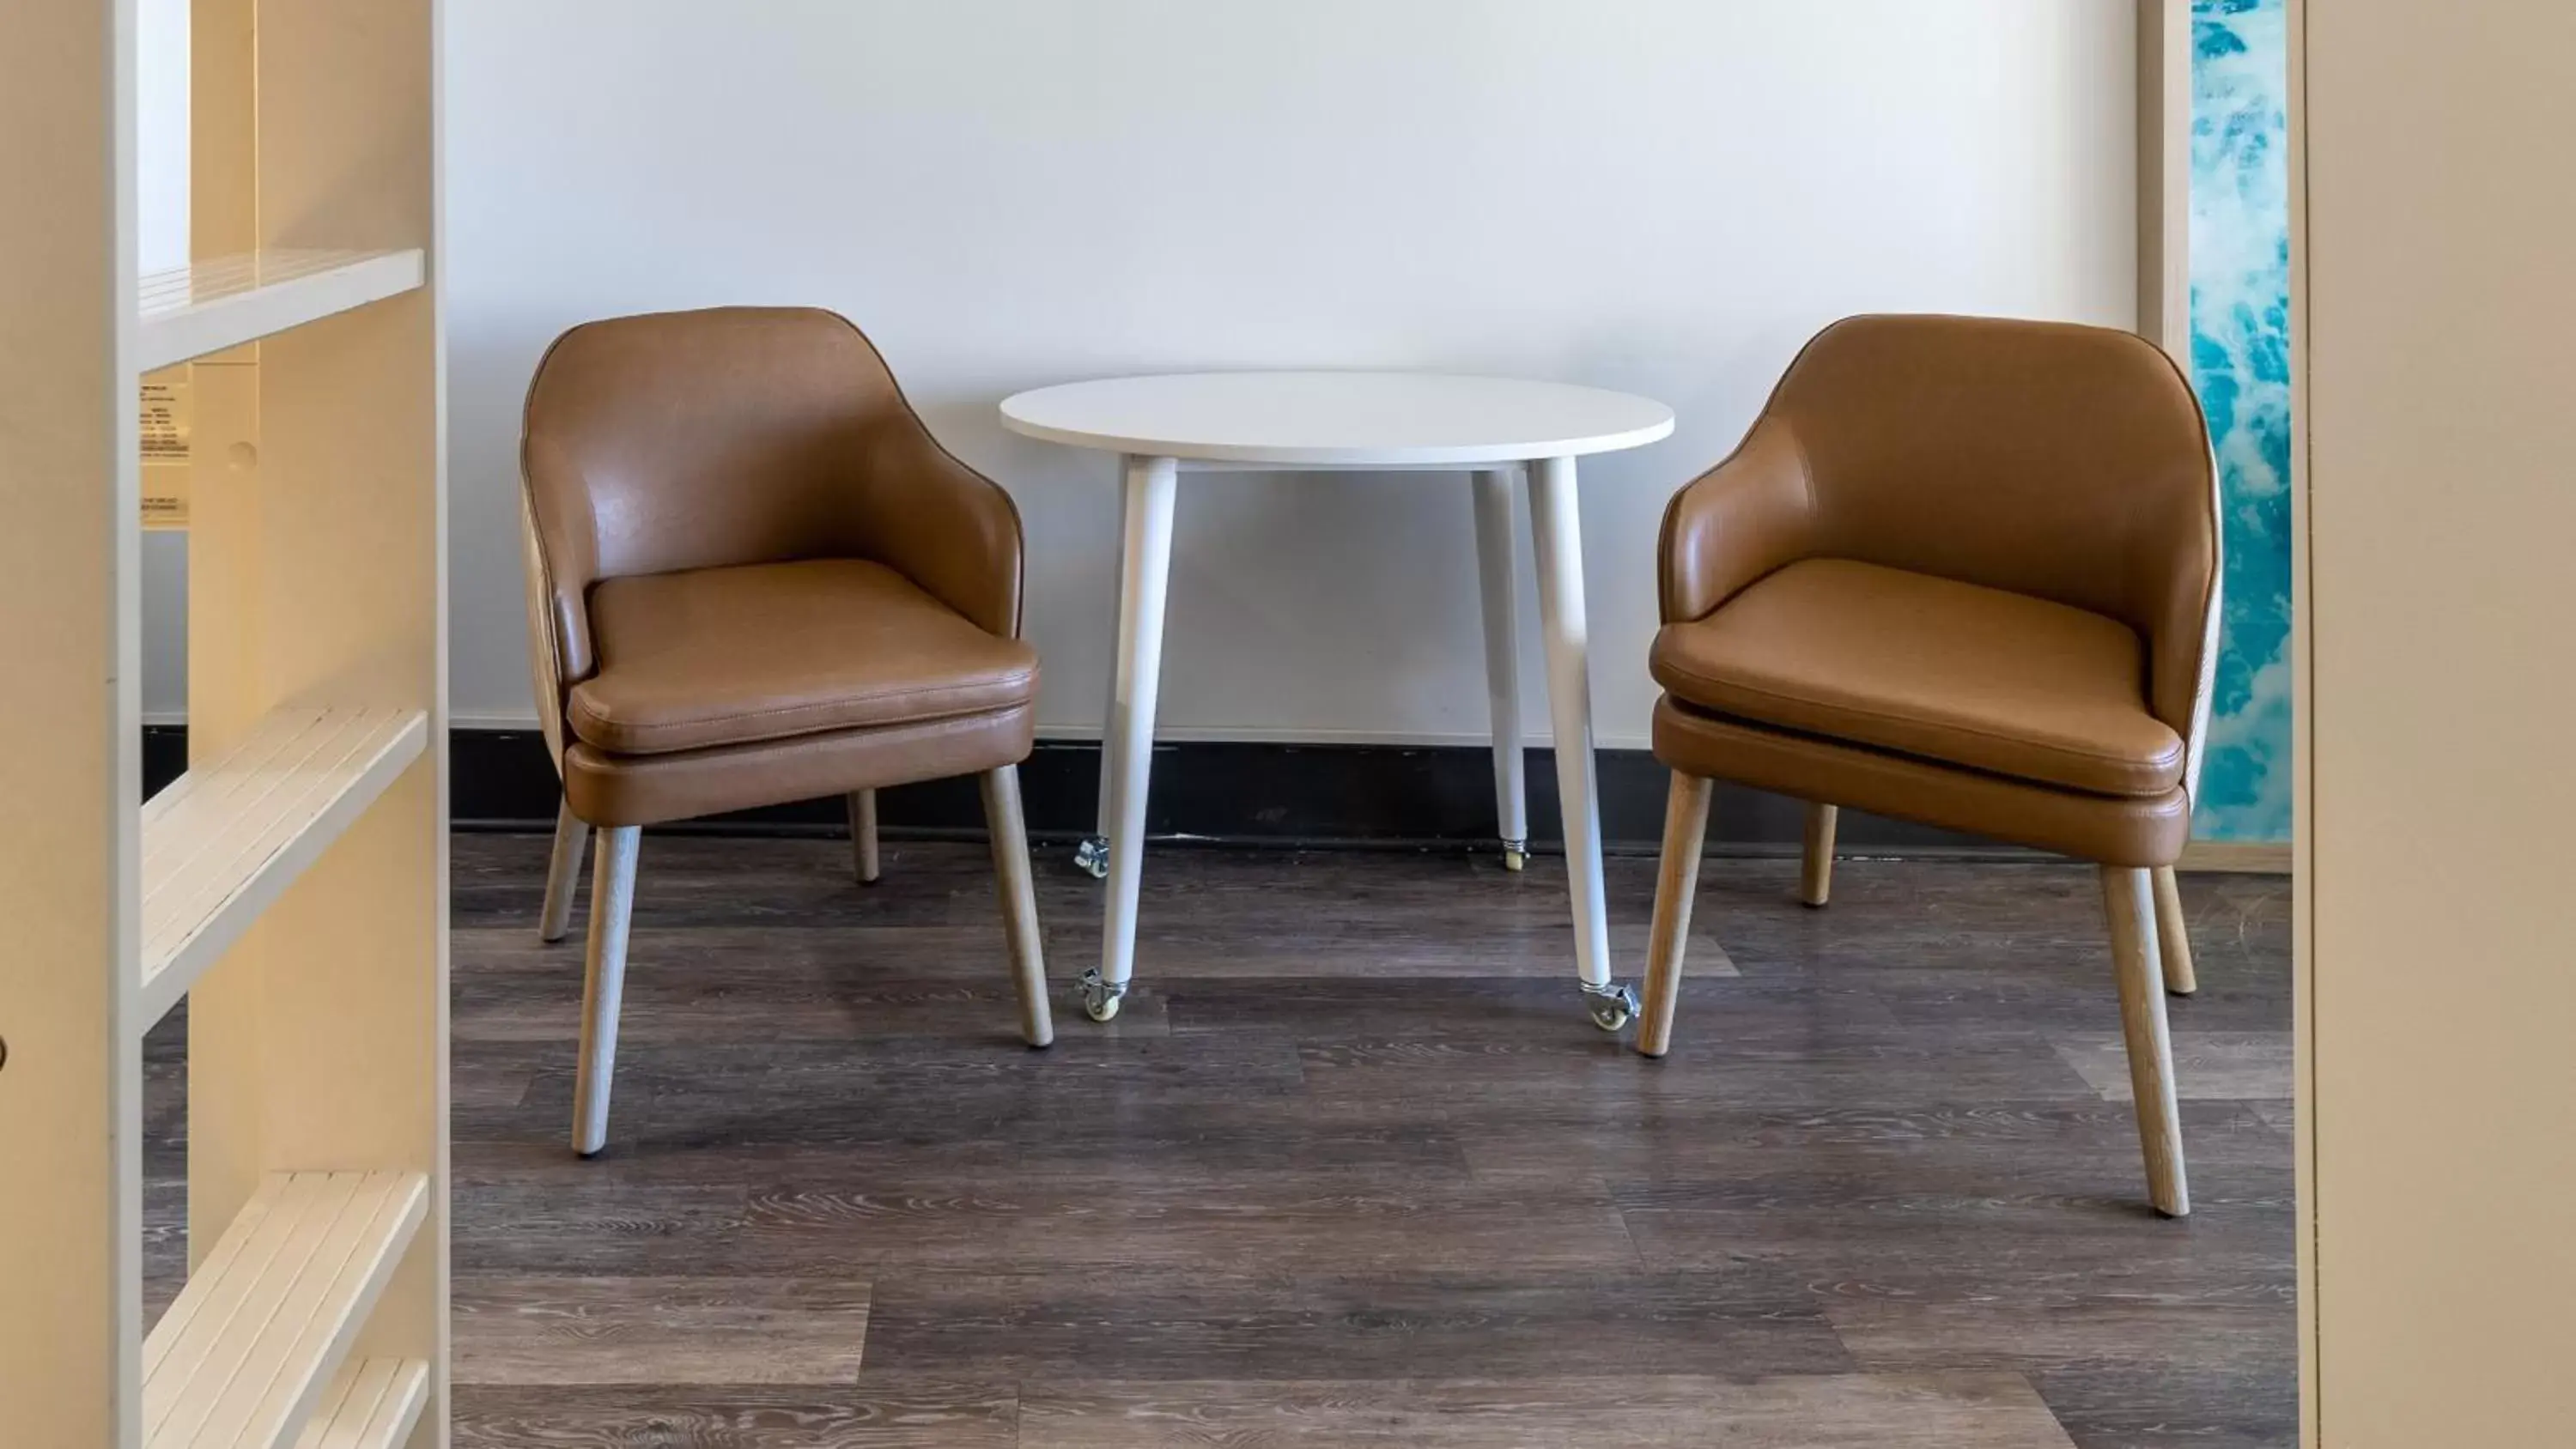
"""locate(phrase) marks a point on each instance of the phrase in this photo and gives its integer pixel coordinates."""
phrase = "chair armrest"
(560, 543)
(940, 523)
(2178, 605)
(1741, 520)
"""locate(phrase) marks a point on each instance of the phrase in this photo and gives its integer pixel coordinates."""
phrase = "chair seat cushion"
(607, 789)
(1929, 667)
(2132, 830)
(735, 656)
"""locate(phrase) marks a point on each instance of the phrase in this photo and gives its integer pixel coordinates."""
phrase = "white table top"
(1338, 419)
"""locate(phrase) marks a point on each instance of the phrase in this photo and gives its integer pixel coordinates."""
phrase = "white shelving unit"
(213, 306)
(248, 1349)
(374, 1404)
(228, 838)
(292, 887)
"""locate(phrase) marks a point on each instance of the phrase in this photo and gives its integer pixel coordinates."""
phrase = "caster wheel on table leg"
(1612, 1006)
(1099, 998)
(1092, 855)
(1515, 855)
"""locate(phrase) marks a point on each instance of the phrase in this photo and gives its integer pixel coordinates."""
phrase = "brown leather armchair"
(754, 577)
(1963, 572)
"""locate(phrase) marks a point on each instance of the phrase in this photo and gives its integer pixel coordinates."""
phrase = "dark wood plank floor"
(1353, 1168)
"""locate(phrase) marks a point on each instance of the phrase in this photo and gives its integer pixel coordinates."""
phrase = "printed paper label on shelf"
(166, 420)
(169, 425)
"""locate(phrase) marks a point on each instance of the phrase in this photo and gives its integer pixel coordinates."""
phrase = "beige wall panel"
(2440, 503)
(345, 122)
(69, 1087)
(223, 134)
(225, 556)
(224, 559)
(348, 502)
(355, 1015)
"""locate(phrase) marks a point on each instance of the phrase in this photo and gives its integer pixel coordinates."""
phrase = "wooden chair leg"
(863, 834)
(2173, 934)
(612, 904)
(1019, 901)
(2128, 902)
(1816, 878)
(563, 872)
(1685, 830)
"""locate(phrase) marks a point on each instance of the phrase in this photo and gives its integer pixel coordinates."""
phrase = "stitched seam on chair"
(2065, 751)
(643, 731)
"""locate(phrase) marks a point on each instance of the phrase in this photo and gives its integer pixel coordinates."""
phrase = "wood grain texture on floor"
(1821, 1411)
(532, 1329)
(1352, 1169)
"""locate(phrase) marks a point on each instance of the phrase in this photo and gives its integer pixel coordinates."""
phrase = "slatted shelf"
(246, 1353)
(224, 302)
(224, 841)
(373, 1404)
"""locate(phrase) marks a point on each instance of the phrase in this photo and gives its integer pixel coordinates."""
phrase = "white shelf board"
(247, 1351)
(373, 1404)
(224, 302)
(224, 841)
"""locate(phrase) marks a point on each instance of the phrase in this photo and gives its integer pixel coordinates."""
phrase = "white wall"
(1665, 196)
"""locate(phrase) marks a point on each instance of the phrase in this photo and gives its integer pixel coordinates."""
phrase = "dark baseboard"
(1348, 796)
(165, 756)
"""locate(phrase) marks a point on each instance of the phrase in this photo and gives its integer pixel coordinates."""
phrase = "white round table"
(1494, 428)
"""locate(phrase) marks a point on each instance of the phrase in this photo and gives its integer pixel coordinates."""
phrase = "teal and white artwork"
(2240, 358)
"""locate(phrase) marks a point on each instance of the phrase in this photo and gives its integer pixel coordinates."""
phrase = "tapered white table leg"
(1152, 488)
(1557, 527)
(1503, 660)
(1092, 854)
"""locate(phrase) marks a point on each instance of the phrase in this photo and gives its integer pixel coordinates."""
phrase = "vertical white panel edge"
(2303, 755)
(437, 1418)
(2164, 174)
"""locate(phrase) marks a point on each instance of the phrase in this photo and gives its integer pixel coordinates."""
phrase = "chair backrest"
(685, 440)
(2066, 462)
(2062, 461)
(702, 439)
